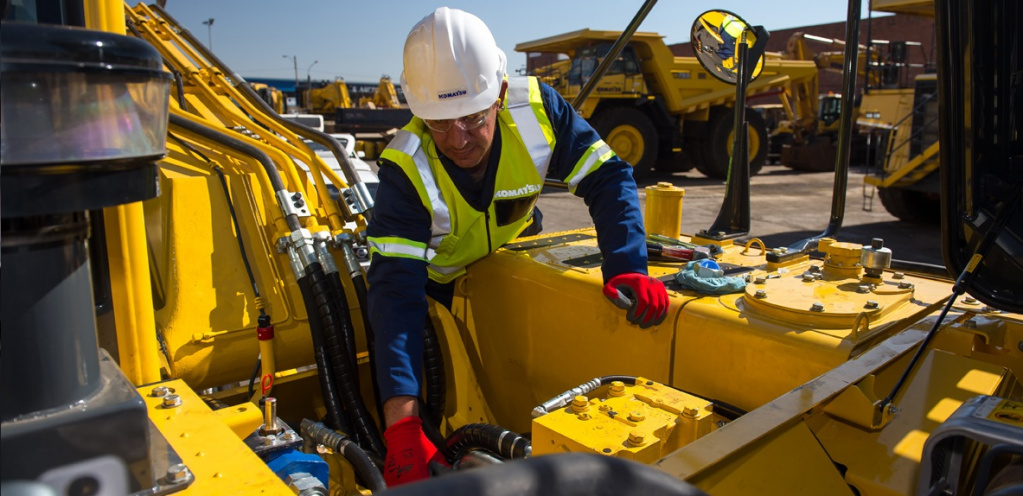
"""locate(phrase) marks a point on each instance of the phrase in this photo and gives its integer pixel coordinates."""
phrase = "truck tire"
(911, 206)
(717, 146)
(629, 132)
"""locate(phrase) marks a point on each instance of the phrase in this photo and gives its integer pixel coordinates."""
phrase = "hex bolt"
(617, 389)
(636, 416)
(905, 285)
(636, 438)
(817, 307)
(898, 275)
(870, 304)
(759, 280)
(580, 404)
(863, 288)
(815, 268)
(269, 440)
(583, 416)
(808, 277)
(969, 300)
(177, 473)
(690, 412)
(171, 401)
(159, 391)
(761, 294)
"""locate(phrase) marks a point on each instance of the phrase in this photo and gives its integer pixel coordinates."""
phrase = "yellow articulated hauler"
(183, 305)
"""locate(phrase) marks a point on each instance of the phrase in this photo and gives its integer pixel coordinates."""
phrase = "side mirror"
(715, 36)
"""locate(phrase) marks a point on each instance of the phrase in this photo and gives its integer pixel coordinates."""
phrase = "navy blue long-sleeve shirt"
(397, 286)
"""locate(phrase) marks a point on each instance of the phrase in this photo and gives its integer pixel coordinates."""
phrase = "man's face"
(467, 140)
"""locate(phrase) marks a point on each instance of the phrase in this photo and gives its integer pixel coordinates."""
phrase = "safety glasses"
(466, 123)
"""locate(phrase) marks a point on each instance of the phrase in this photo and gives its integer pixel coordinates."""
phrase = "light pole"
(209, 27)
(308, 78)
(294, 60)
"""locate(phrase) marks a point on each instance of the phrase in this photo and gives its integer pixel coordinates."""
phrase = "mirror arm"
(733, 219)
(852, 43)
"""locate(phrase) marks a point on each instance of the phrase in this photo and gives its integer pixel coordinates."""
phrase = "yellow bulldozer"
(183, 307)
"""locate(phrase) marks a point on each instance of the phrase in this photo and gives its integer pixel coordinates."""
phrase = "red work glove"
(643, 296)
(408, 452)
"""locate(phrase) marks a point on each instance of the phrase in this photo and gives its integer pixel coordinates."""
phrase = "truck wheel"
(911, 206)
(629, 132)
(717, 147)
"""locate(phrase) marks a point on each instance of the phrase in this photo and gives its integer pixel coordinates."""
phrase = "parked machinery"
(657, 110)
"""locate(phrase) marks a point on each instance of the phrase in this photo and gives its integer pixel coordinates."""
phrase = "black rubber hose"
(332, 311)
(501, 442)
(433, 372)
(570, 474)
(335, 414)
(361, 292)
(363, 466)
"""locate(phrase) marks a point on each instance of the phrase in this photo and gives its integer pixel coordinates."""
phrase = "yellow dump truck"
(657, 110)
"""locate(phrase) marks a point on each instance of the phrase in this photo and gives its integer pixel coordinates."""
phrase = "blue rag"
(706, 276)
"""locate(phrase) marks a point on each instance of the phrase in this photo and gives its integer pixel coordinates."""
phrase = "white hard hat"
(452, 64)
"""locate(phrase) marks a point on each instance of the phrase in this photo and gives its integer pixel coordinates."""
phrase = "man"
(460, 180)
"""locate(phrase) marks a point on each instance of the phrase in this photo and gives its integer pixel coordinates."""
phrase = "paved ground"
(787, 206)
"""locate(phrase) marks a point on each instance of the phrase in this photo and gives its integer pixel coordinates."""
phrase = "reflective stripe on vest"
(408, 143)
(539, 145)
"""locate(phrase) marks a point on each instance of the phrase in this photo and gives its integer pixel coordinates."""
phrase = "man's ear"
(504, 89)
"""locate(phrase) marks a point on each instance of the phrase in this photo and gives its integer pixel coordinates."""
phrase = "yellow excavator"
(183, 304)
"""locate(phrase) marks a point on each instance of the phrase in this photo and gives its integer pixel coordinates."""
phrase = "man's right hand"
(408, 452)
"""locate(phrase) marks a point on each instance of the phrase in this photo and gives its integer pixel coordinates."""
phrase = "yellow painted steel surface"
(219, 460)
(736, 348)
(642, 421)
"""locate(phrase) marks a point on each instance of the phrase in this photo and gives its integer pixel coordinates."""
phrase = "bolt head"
(760, 294)
(177, 473)
(898, 275)
(759, 280)
(871, 304)
(159, 391)
(817, 307)
(969, 300)
(171, 401)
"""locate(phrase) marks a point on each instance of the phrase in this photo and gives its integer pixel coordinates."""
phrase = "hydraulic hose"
(237, 144)
(433, 372)
(501, 442)
(361, 292)
(335, 414)
(564, 398)
(363, 466)
(330, 309)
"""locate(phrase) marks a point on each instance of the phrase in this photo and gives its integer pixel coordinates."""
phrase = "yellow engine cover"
(641, 422)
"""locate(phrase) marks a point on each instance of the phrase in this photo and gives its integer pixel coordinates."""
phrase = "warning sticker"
(1001, 410)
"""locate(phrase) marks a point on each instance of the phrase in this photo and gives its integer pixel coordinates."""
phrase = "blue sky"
(361, 41)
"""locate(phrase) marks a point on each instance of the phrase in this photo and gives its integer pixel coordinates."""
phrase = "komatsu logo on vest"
(451, 93)
(512, 193)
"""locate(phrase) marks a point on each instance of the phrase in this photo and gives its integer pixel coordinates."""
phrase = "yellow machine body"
(775, 389)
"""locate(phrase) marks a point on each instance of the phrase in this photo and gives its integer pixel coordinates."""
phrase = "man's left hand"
(643, 296)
